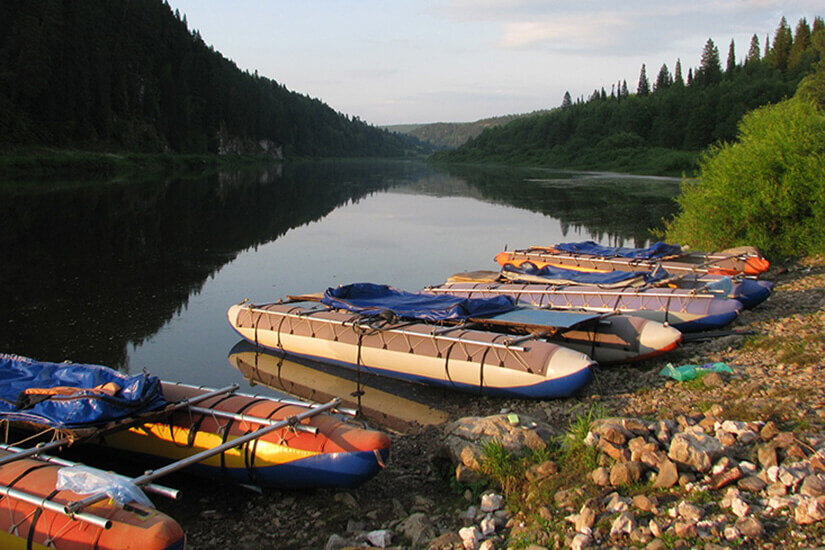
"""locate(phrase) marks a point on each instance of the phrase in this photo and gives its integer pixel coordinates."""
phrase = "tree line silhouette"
(667, 121)
(111, 75)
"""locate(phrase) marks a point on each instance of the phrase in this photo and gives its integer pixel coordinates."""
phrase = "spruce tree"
(731, 64)
(690, 77)
(624, 88)
(782, 42)
(801, 43)
(663, 79)
(566, 101)
(753, 51)
(710, 69)
(677, 74)
(643, 88)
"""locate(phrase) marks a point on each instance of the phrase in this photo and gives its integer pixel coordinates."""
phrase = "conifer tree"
(710, 69)
(690, 77)
(663, 79)
(603, 94)
(624, 88)
(643, 88)
(782, 42)
(801, 43)
(753, 51)
(731, 64)
(677, 74)
(566, 101)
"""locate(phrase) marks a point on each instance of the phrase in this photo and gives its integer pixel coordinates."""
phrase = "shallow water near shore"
(139, 274)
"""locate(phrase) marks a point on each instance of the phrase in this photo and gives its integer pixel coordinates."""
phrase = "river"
(138, 273)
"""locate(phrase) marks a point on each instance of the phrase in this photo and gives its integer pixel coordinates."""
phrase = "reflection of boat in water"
(321, 382)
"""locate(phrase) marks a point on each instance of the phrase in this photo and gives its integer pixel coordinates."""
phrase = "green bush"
(766, 190)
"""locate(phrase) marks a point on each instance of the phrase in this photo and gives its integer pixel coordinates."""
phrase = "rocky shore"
(638, 460)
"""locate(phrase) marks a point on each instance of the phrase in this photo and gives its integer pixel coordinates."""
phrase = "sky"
(404, 61)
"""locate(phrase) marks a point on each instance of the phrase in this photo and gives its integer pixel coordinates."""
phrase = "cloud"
(567, 32)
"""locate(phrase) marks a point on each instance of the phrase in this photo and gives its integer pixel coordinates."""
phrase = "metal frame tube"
(169, 492)
(198, 457)
(52, 506)
(433, 335)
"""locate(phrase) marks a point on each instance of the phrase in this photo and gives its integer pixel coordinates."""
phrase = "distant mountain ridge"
(450, 135)
(114, 75)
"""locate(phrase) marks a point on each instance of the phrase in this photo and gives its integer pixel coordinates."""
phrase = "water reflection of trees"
(90, 268)
(613, 208)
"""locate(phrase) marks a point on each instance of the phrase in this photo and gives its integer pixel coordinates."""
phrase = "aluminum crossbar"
(150, 476)
(174, 494)
(52, 506)
(248, 418)
(629, 293)
(434, 335)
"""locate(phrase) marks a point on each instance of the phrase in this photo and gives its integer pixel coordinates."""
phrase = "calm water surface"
(139, 274)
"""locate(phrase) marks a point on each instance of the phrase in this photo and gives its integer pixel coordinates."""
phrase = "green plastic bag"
(689, 372)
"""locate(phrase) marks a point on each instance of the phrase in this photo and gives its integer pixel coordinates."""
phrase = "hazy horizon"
(406, 62)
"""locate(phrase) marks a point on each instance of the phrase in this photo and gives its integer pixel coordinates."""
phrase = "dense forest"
(109, 75)
(662, 127)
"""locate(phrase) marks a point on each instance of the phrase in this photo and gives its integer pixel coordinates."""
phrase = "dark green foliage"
(115, 75)
(662, 132)
(710, 71)
(643, 87)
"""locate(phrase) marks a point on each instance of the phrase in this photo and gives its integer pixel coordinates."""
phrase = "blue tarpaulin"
(373, 299)
(591, 248)
(558, 275)
(28, 392)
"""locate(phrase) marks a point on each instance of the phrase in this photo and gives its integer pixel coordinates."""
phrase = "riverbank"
(776, 379)
(64, 163)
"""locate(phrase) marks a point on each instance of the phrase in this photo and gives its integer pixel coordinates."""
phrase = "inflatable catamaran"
(487, 346)
(219, 432)
(589, 255)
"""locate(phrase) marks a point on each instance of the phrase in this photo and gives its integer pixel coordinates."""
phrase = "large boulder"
(695, 449)
(465, 439)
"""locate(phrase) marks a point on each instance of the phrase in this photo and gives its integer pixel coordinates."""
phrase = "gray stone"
(645, 503)
(813, 486)
(690, 512)
(600, 476)
(695, 449)
(752, 484)
(568, 498)
(623, 524)
(810, 510)
(581, 541)
(585, 519)
(767, 455)
(380, 538)
(750, 527)
(668, 475)
(470, 537)
(336, 542)
(490, 502)
(418, 528)
(465, 438)
(615, 503)
(625, 473)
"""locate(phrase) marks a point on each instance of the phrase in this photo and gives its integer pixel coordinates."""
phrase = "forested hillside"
(449, 135)
(661, 127)
(115, 75)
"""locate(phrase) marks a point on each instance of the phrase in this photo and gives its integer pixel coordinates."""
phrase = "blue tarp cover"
(591, 248)
(558, 275)
(137, 393)
(373, 299)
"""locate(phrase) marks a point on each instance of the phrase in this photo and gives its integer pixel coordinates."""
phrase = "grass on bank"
(40, 163)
